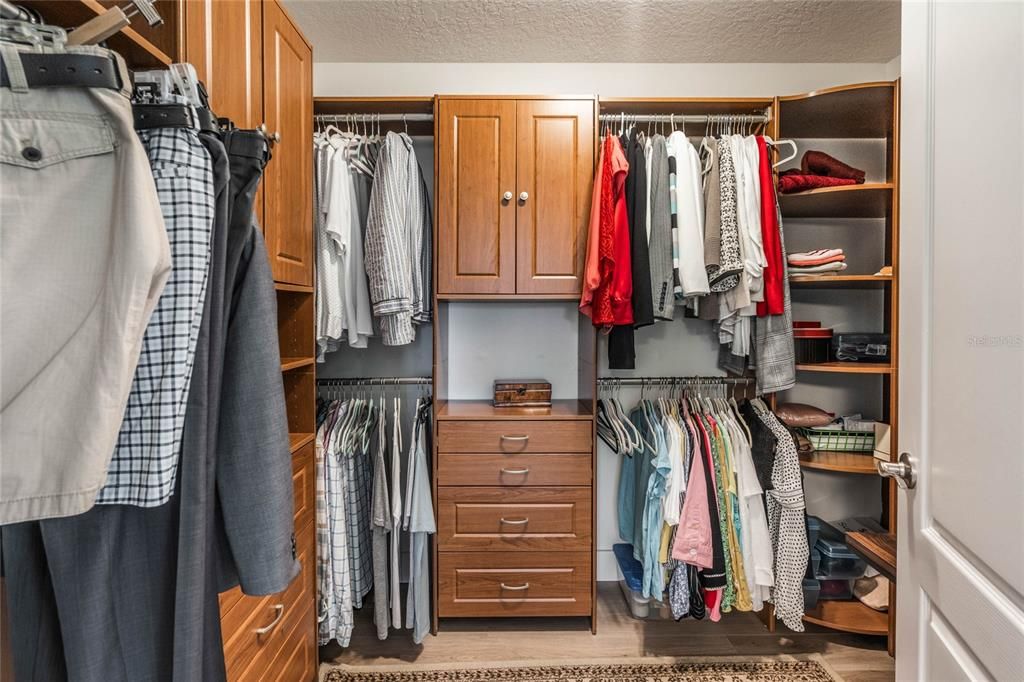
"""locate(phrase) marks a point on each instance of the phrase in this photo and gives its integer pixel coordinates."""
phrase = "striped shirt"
(397, 235)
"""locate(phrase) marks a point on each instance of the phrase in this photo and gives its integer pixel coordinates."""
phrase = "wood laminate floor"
(466, 640)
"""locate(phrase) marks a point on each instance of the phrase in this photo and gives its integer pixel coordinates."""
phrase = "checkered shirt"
(335, 619)
(144, 465)
(358, 474)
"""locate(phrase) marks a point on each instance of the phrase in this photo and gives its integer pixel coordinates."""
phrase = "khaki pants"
(83, 259)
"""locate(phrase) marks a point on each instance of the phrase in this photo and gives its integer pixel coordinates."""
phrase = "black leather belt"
(66, 70)
(149, 116)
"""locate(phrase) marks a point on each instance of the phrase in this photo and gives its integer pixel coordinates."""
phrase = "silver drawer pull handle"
(279, 608)
(515, 522)
(524, 586)
(516, 471)
(521, 438)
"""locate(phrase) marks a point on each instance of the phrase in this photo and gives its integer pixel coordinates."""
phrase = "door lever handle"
(902, 471)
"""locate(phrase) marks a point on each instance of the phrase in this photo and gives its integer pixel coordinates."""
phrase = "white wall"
(619, 80)
(492, 336)
(892, 69)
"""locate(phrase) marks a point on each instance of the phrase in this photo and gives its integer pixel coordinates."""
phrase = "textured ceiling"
(674, 31)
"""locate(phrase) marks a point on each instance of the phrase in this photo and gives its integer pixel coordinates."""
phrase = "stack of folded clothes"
(820, 262)
(818, 169)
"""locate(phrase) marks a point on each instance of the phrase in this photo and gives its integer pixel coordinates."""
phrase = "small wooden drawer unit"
(547, 519)
(515, 517)
(514, 584)
(514, 436)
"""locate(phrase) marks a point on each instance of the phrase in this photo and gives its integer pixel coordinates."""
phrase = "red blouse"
(774, 271)
(608, 276)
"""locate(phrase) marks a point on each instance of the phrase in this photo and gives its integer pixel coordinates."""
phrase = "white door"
(960, 605)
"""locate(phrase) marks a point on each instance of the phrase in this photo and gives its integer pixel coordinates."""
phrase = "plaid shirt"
(357, 472)
(144, 465)
(335, 619)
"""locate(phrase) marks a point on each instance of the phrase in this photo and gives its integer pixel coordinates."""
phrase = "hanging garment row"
(373, 233)
(149, 393)
(672, 226)
(696, 473)
(362, 511)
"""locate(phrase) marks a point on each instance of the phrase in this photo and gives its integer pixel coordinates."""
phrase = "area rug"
(810, 668)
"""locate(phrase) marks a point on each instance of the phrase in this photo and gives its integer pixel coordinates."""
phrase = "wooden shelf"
(138, 50)
(288, 364)
(299, 440)
(508, 297)
(849, 616)
(378, 105)
(870, 200)
(484, 410)
(878, 549)
(846, 462)
(847, 367)
(863, 110)
(684, 105)
(840, 281)
(292, 288)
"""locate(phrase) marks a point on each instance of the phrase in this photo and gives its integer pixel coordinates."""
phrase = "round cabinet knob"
(507, 196)
(523, 196)
(276, 137)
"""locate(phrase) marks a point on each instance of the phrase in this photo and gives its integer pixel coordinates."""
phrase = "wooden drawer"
(514, 436)
(243, 645)
(297, 660)
(304, 481)
(517, 470)
(514, 584)
(550, 519)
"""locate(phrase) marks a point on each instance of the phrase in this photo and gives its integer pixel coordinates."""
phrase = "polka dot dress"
(787, 527)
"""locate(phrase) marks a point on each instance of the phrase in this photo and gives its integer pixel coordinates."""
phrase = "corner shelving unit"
(862, 120)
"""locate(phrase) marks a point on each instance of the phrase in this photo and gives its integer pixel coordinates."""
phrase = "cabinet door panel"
(288, 108)
(555, 153)
(476, 227)
(224, 41)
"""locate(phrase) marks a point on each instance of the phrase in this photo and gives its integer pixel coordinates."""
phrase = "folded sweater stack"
(822, 261)
(818, 169)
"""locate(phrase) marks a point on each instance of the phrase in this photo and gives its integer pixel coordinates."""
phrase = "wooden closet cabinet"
(288, 112)
(513, 192)
(258, 68)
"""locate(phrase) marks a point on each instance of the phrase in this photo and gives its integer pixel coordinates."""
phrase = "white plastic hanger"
(779, 143)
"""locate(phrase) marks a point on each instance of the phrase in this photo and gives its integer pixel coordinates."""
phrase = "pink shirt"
(693, 538)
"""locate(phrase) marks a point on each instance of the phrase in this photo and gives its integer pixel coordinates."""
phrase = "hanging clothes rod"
(661, 381)
(375, 381)
(684, 118)
(383, 118)
(9, 10)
